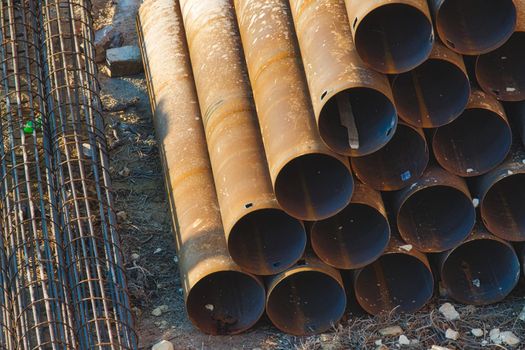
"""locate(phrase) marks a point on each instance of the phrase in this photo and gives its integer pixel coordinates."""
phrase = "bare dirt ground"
(149, 248)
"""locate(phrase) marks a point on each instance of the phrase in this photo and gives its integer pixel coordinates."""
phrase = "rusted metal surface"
(472, 27)
(391, 36)
(310, 181)
(470, 278)
(435, 213)
(477, 141)
(356, 236)
(307, 298)
(220, 298)
(336, 74)
(398, 164)
(399, 281)
(434, 93)
(261, 237)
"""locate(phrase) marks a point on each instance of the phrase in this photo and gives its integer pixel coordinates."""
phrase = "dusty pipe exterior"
(220, 298)
(261, 237)
(353, 104)
(308, 298)
(310, 181)
(356, 236)
(391, 36)
(434, 93)
(435, 213)
(477, 141)
(470, 278)
(502, 72)
(398, 164)
(400, 280)
(472, 27)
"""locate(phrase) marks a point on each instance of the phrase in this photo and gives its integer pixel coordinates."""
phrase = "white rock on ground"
(477, 332)
(437, 347)
(451, 334)
(449, 311)
(391, 331)
(495, 336)
(160, 310)
(509, 338)
(403, 340)
(163, 345)
(124, 60)
(522, 313)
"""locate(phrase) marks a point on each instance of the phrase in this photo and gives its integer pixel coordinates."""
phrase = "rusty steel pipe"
(391, 36)
(310, 181)
(308, 298)
(477, 141)
(399, 281)
(352, 103)
(470, 278)
(435, 213)
(220, 297)
(436, 92)
(356, 236)
(472, 27)
(398, 164)
(261, 237)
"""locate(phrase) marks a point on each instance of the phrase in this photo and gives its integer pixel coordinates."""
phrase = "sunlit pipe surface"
(352, 103)
(220, 298)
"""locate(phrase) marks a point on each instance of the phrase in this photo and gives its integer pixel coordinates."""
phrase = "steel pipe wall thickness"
(220, 298)
(352, 103)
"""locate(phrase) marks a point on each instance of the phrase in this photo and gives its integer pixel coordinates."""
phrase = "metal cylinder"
(435, 213)
(310, 181)
(307, 298)
(398, 164)
(399, 281)
(352, 103)
(261, 237)
(516, 113)
(501, 72)
(391, 36)
(357, 235)
(472, 27)
(470, 278)
(220, 297)
(434, 93)
(477, 141)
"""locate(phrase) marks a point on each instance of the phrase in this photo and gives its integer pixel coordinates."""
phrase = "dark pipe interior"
(375, 118)
(503, 208)
(394, 38)
(482, 271)
(473, 27)
(432, 95)
(355, 237)
(398, 164)
(226, 302)
(314, 187)
(306, 302)
(436, 218)
(395, 281)
(473, 144)
(502, 72)
(267, 241)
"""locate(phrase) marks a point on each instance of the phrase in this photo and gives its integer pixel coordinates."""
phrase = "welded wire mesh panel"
(94, 259)
(29, 213)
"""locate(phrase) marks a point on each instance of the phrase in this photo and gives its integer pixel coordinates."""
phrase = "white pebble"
(403, 340)
(135, 257)
(475, 202)
(449, 311)
(437, 347)
(495, 336)
(391, 331)
(451, 334)
(163, 345)
(509, 338)
(379, 342)
(158, 250)
(477, 332)
(407, 247)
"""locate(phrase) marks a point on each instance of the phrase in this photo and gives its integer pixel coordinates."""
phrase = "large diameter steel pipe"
(353, 104)
(470, 278)
(310, 181)
(436, 92)
(399, 281)
(398, 164)
(357, 235)
(473, 27)
(435, 213)
(477, 141)
(261, 237)
(306, 299)
(391, 36)
(220, 297)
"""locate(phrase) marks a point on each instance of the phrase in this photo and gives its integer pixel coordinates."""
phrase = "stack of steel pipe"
(310, 174)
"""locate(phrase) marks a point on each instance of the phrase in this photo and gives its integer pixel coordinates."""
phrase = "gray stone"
(123, 61)
(106, 38)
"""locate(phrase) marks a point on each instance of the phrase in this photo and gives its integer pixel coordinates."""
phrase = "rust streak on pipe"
(334, 71)
(261, 237)
(220, 297)
(311, 182)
